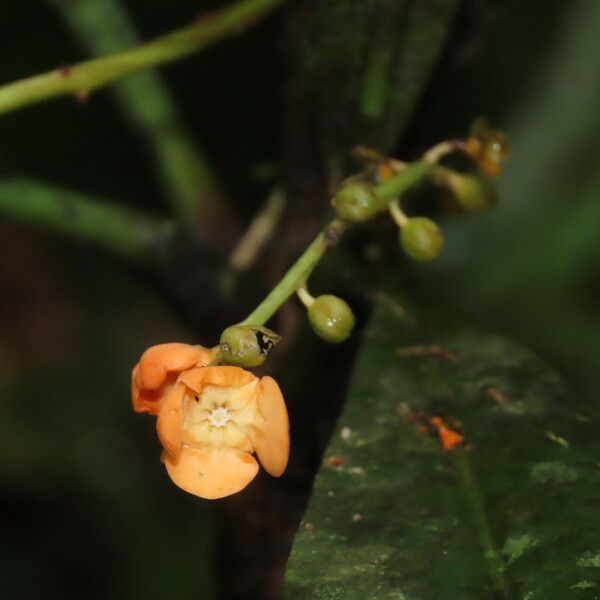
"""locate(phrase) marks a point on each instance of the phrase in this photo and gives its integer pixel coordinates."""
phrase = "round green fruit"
(331, 318)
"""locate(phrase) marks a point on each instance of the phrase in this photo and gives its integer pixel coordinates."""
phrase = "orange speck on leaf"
(449, 439)
(335, 461)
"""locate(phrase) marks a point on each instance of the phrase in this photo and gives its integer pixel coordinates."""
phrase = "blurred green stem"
(378, 72)
(105, 28)
(92, 74)
(128, 234)
(251, 244)
(300, 271)
(397, 185)
(376, 83)
(297, 274)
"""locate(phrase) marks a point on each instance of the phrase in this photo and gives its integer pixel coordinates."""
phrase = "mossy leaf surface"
(511, 512)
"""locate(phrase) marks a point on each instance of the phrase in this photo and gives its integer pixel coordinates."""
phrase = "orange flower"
(211, 419)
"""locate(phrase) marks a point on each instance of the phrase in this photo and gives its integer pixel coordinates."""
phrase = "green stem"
(92, 74)
(303, 267)
(297, 274)
(128, 234)
(105, 28)
(397, 185)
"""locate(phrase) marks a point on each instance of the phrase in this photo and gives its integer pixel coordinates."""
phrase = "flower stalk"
(299, 272)
(305, 296)
(397, 213)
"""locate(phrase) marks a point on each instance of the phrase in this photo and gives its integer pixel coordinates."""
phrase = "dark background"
(86, 507)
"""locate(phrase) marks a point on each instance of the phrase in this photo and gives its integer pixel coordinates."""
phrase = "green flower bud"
(246, 345)
(473, 192)
(421, 239)
(331, 318)
(356, 202)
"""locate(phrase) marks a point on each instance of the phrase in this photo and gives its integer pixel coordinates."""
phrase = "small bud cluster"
(420, 237)
(377, 189)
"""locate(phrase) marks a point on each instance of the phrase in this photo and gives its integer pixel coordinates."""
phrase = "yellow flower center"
(219, 416)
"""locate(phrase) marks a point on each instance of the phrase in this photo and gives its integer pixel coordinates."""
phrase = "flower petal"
(143, 400)
(220, 376)
(210, 472)
(159, 360)
(168, 424)
(234, 436)
(271, 438)
(157, 370)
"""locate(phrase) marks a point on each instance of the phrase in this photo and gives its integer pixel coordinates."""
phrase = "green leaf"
(512, 512)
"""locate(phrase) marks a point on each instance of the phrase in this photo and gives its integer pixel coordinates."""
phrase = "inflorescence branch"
(328, 237)
(380, 188)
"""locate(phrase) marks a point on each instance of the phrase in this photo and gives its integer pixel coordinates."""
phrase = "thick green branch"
(128, 234)
(303, 267)
(87, 76)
